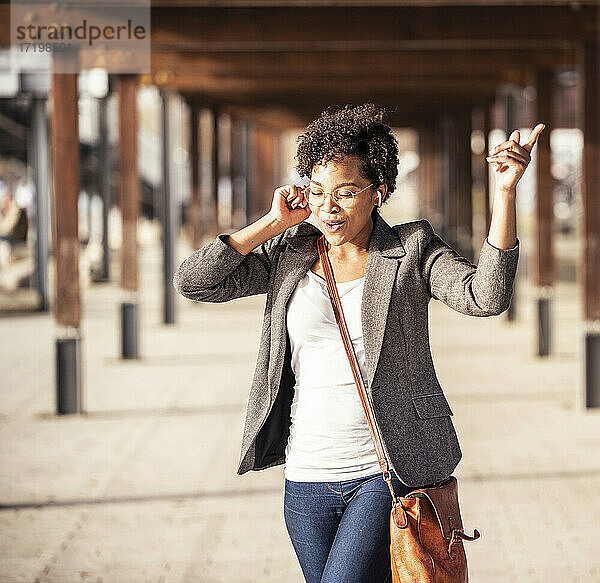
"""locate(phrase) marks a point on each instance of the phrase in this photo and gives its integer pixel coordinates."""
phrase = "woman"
(304, 409)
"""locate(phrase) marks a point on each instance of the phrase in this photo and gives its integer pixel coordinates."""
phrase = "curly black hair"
(351, 130)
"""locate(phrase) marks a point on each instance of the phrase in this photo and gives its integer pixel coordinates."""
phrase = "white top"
(329, 434)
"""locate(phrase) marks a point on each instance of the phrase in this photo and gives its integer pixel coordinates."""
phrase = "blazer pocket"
(434, 405)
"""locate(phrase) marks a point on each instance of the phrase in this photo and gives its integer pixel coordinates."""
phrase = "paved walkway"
(143, 487)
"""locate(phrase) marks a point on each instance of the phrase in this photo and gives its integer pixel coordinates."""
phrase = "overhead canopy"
(415, 58)
(301, 57)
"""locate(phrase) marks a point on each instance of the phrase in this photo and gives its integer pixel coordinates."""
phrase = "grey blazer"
(408, 264)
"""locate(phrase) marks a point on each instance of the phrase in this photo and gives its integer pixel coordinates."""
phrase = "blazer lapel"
(385, 250)
(385, 253)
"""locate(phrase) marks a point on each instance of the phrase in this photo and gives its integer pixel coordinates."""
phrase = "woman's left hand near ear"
(512, 158)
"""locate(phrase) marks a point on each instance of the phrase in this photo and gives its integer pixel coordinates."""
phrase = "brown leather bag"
(426, 530)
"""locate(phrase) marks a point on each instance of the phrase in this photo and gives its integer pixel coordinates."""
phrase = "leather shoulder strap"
(341, 321)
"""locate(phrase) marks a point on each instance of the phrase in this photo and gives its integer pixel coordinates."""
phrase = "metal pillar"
(463, 195)
(252, 184)
(104, 178)
(39, 153)
(65, 193)
(194, 214)
(428, 174)
(543, 258)
(448, 181)
(167, 214)
(240, 173)
(591, 220)
(129, 199)
(215, 169)
(487, 128)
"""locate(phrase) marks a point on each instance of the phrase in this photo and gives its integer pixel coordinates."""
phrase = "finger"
(300, 201)
(503, 156)
(511, 144)
(501, 165)
(499, 147)
(537, 130)
(504, 145)
(297, 197)
(516, 147)
(512, 147)
(521, 150)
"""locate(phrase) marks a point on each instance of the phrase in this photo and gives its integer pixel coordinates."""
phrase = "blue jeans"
(340, 531)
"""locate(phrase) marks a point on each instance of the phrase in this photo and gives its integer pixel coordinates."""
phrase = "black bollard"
(592, 368)
(68, 375)
(544, 325)
(129, 330)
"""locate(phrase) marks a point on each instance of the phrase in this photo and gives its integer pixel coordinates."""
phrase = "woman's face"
(355, 220)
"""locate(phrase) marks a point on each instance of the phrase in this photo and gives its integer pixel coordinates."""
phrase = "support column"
(262, 171)
(239, 172)
(543, 253)
(194, 215)
(129, 197)
(487, 128)
(448, 179)
(39, 144)
(214, 163)
(480, 176)
(65, 242)
(428, 174)
(464, 192)
(437, 218)
(105, 181)
(266, 168)
(167, 214)
(226, 167)
(422, 193)
(252, 188)
(278, 164)
(590, 273)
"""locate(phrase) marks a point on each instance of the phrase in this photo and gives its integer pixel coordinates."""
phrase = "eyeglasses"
(343, 196)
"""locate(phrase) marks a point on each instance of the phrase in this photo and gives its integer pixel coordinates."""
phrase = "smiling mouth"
(333, 226)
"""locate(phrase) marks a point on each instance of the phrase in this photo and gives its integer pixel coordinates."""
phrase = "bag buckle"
(388, 478)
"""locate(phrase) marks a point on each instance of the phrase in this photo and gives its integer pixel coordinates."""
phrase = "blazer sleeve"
(482, 290)
(218, 273)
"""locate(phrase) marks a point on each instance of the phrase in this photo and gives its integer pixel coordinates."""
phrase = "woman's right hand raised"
(286, 206)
